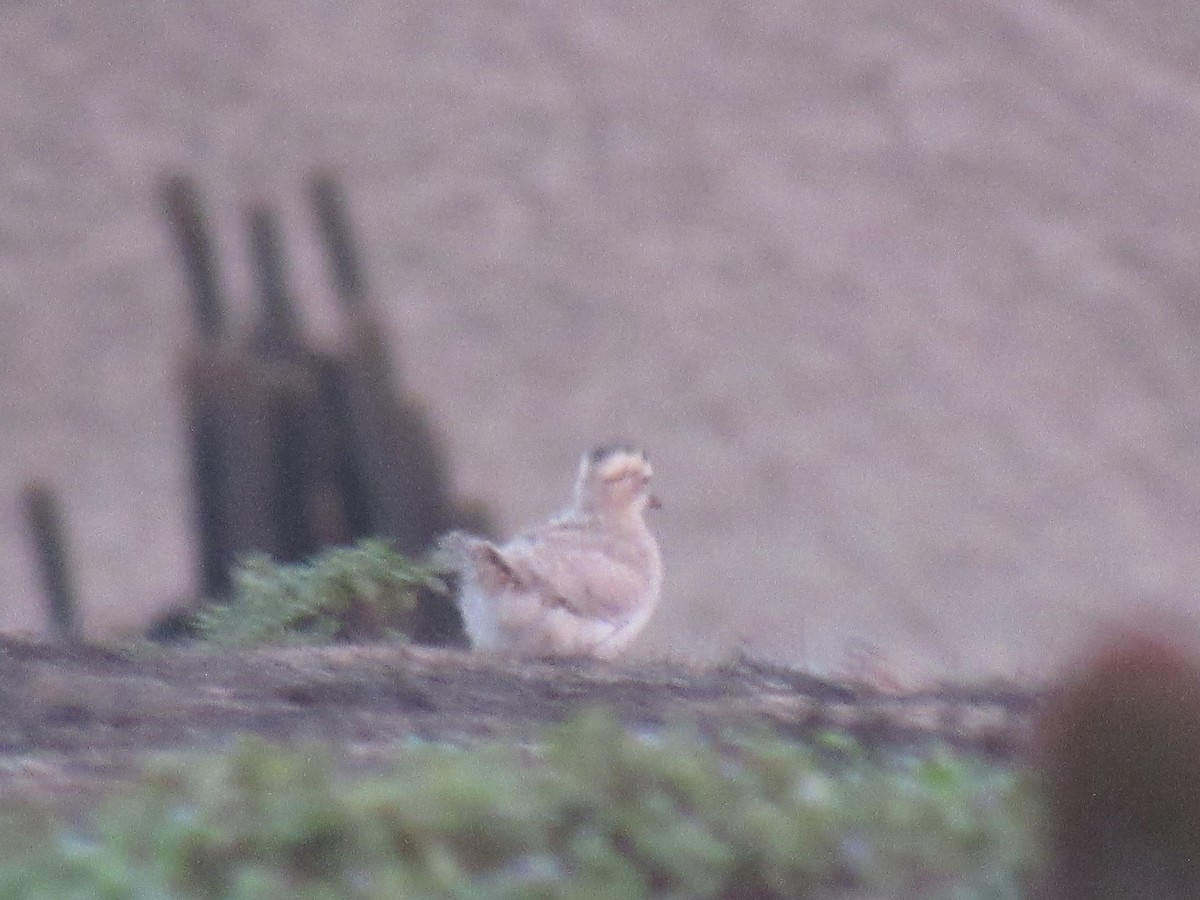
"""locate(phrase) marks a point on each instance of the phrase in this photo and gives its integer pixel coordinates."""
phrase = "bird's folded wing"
(580, 577)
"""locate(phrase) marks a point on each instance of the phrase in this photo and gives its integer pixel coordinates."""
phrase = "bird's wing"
(575, 569)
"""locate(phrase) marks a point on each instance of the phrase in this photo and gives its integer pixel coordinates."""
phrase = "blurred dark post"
(1116, 744)
(233, 389)
(397, 474)
(43, 515)
(395, 477)
(181, 201)
(294, 449)
(330, 207)
(292, 422)
(277, 334)
(393, 446)
(205, 415)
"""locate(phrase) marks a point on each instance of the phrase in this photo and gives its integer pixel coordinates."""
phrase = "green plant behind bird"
(361, 592)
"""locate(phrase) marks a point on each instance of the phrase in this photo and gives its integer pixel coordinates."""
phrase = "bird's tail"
(452, 550)
(476, 558)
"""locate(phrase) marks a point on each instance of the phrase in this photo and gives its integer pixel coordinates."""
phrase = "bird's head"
(614, 481)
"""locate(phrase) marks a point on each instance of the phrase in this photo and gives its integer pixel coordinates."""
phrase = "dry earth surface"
(900, 295)
(75, 721)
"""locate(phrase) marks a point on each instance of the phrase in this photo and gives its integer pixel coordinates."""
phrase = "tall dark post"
(205, 419)
(181, 202)
(330, 207)
(396, 476)
(277, 333)
(43, 515)
(308, 497)
(185, 215)
(294, 449)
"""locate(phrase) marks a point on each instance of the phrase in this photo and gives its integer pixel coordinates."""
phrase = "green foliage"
(591, 813)
(343, 592)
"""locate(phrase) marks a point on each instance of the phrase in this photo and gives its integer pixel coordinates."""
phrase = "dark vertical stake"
(278, 339)
(394, 475)
(330, 207)
(181, 202)
(394, 451)
(215, 556)
(292, 435)
(44, 518)
(277, 330)
(185, 214)
(205, 422)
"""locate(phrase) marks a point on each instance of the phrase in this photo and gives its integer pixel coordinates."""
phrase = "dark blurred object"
(191, 232)
(330, 208)
(294, 449)
(1119, 751)
(43, 514)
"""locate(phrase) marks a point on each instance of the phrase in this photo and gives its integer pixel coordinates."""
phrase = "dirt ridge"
(74, 717)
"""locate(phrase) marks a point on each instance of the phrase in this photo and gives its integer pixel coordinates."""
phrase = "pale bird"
(582, 584)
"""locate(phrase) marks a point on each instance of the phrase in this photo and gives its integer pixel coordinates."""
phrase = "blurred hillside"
(899, 296)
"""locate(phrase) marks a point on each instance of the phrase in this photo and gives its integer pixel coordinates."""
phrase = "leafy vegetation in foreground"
(593, 812)
(343, 592)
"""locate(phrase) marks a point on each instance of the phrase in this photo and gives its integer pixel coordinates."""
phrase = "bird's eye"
(629, 476)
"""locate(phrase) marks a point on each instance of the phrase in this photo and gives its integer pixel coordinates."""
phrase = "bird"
(583, 584)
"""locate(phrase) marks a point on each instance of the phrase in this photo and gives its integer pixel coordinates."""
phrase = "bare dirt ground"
(77, 720)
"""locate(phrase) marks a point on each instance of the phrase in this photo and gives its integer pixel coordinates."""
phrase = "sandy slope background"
(899, 295)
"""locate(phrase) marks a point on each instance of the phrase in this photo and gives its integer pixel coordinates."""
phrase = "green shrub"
(592, 812)
(353, 592)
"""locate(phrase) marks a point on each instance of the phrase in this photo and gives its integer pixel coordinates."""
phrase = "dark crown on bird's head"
(598, 455)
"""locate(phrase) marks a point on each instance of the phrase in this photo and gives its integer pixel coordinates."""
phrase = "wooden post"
(43, 514)
(186, 217)
(185, 214)
(330, 206)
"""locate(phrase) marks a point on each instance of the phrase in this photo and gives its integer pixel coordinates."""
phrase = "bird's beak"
(653, 502)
